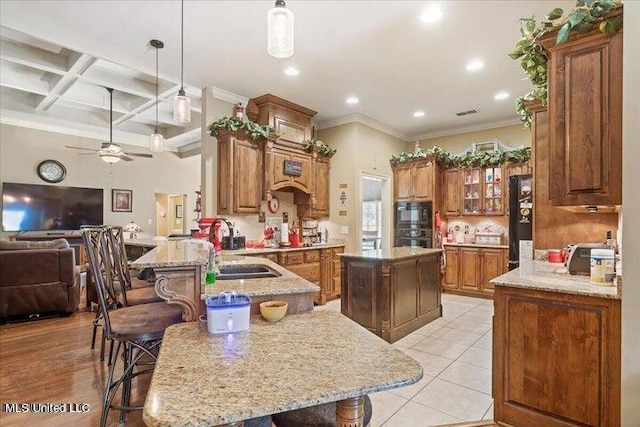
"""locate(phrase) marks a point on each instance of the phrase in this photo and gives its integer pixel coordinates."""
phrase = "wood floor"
(50, 362)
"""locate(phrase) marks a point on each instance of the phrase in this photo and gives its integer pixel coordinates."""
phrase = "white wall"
(631, 224)
(21, 149)
(513, 136)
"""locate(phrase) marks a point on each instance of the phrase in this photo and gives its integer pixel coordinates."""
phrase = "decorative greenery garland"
(251, 128)
(322, 148)
(533, 58)
(468, 159)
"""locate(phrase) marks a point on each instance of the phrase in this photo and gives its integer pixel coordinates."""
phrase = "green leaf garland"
(320, 146)
(253, 129)
(468, 159)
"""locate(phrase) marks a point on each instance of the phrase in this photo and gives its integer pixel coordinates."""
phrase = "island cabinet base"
(556, 359)
(391, 297)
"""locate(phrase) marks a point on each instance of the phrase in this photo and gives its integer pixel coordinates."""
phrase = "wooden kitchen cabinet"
(585, 118)
(556, 359)
(240, 173)
(292, 122)
(451, 196)
(322, 188)
(483, 191)
(279, 178)
(469, 269)
(414, 181)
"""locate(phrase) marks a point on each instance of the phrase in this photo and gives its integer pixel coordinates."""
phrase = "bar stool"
(138, 330)
(317, 416)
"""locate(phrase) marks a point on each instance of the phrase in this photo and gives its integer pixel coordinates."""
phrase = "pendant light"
(157, 140)
(181, 102)
(280, 31)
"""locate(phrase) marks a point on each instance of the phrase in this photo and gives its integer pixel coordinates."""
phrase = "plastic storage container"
(227, 312)
(602, 267)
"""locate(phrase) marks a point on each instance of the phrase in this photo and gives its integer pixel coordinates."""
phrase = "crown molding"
(359, 118)
(473, 128)
(225, 95)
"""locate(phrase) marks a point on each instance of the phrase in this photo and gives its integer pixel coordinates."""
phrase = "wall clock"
(273, 205)
(51, 171)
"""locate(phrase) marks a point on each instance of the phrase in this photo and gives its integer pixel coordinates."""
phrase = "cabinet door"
(279, 158)
(493, 191)
(493, 265)
(450, 279)
(451, 193)
(304, 180)
(585, 126)
(322, 188)
(422, 180)
(472, 191)
(470, 269)
(247, 175)
(402, 183)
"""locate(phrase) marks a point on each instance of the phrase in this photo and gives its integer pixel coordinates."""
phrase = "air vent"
(466, 113)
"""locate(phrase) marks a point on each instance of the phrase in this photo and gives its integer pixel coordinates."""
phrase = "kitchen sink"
(233, 272)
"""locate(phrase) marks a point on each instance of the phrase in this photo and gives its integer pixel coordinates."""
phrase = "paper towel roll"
(285, 232)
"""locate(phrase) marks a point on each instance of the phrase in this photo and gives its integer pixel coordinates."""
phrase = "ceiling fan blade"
(140, 155)
(81, 148)
(125, 158)
(86, 154)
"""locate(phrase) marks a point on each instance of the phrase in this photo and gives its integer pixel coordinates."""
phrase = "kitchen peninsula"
(220, 380)
(556, 349)
(179, 268)
(392, 292)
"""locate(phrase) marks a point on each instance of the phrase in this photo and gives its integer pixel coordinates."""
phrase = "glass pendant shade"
(110, 158)
(182, 108)
(157, 142)
(280, 31)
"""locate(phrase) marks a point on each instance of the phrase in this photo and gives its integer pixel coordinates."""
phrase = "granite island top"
(391, 253)
(207, 380)
(287, 283)
(547, 276)
(174, 253)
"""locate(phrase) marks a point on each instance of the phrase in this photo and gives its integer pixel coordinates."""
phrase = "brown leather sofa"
(37, 278)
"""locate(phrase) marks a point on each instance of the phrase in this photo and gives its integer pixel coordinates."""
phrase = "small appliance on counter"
(227, 312)
(579, 261)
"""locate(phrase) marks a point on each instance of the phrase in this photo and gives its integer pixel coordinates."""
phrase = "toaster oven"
(579, 261)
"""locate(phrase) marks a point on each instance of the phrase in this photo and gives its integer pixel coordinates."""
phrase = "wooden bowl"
(273, 310)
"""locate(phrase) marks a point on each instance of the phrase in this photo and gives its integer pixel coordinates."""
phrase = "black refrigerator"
(520, 215)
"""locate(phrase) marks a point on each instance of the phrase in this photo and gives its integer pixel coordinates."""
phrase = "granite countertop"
(476, 245)
(175, 253)
(288, 283)
(207, 380)
(146, 243)
(547, 276)
(253, 251)
(391, 253)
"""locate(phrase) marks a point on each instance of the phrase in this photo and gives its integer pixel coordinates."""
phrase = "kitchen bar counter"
(209, 380)
(392, 292)
(554, 277)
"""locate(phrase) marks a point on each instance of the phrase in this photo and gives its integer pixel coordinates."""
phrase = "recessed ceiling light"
(432, 13)
(418, 114)
(475, 65)
(291, 71)
(352, 100)
(501, 95)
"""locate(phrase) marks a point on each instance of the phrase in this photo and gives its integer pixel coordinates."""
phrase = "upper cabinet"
(451, 188)
(292, 122)
(482, 191)
(414, 181)
(585, 118)
(240, 168)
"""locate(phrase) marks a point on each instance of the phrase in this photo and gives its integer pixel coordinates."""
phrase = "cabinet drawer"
(310, 256)
(293, 258)
(311, 272)
(271, 257)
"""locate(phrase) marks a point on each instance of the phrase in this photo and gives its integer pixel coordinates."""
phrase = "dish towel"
(439, 243)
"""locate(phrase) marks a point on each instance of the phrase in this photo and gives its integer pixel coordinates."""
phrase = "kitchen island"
(392, 292)
(202, 379)
(556, 349)
(179, 266)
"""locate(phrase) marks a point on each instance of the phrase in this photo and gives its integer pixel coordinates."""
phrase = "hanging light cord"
(156, 130)
(110, 114)
(182, 48)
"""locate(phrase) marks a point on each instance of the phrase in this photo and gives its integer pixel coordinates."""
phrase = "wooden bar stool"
(317, 416)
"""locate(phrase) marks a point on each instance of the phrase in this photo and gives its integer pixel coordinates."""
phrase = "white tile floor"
(455, 352)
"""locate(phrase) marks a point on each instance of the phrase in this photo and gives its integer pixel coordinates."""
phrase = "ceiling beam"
(33, 57)
(79, 66)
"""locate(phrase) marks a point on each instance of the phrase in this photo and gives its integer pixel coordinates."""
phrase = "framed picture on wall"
(121, 200)
(178, 211)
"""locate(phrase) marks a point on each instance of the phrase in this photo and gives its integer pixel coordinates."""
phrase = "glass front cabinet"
(483, 191)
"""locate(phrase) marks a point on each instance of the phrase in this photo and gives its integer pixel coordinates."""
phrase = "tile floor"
(455, 352)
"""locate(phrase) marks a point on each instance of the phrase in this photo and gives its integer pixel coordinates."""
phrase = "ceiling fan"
(111, 152)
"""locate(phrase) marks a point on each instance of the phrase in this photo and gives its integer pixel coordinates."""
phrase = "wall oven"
(413, 225)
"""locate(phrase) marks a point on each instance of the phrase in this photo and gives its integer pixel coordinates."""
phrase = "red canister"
(555, 255)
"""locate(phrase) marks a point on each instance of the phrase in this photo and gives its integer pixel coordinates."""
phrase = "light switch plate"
(345, 229)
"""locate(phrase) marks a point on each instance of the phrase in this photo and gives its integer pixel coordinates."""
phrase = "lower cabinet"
(556, 359)
(469, 269)
(319, 266)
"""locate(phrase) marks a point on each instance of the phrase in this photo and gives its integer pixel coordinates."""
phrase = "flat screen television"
(33, 207)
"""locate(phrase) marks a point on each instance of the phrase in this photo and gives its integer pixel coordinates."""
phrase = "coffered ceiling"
(58, 56)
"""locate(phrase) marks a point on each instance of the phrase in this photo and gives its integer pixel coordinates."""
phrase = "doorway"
(170, 214)
(374, 211)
